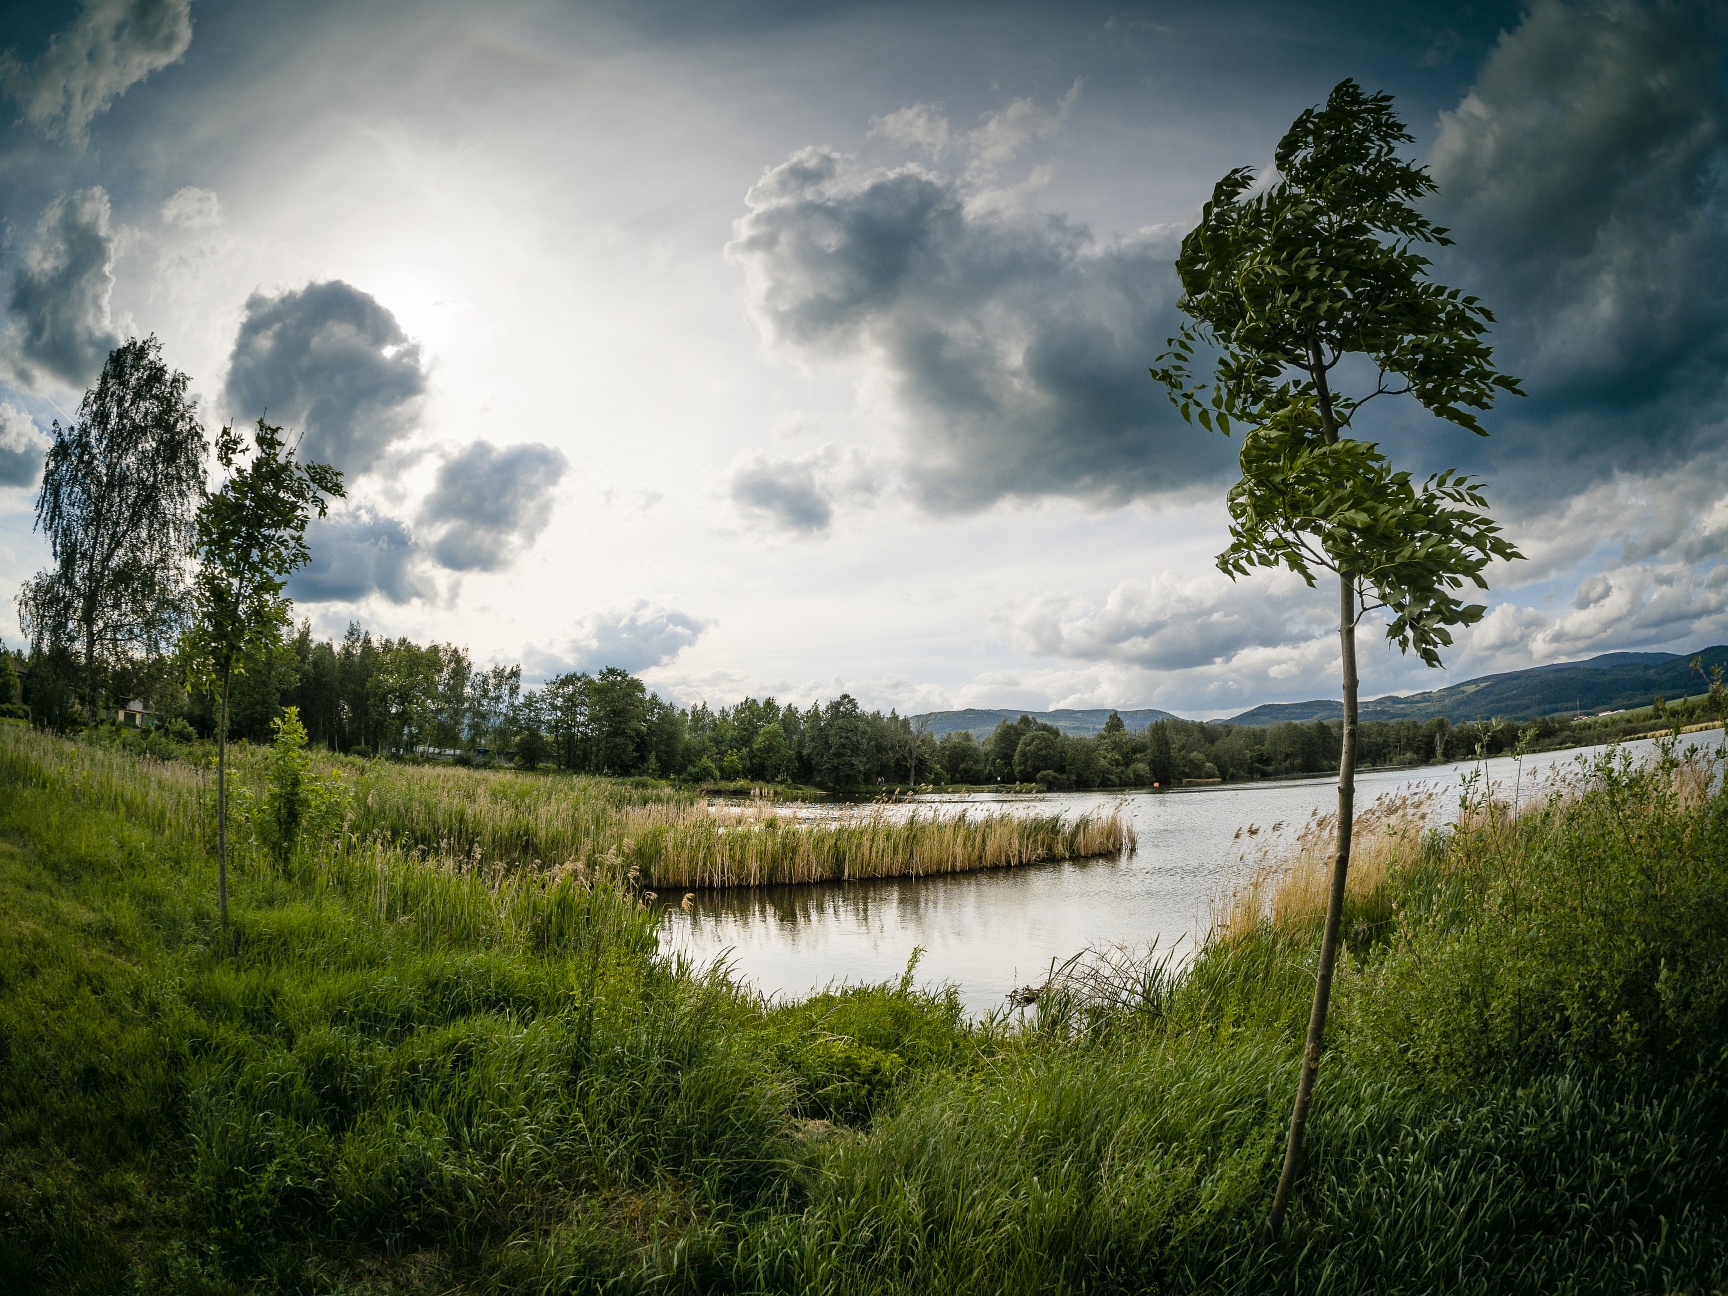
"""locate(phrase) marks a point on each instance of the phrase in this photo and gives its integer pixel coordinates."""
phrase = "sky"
(791, 349)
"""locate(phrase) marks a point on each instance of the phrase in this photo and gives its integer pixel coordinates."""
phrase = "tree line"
(392, 697)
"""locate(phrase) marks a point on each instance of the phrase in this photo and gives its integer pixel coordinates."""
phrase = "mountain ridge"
(1608, 681)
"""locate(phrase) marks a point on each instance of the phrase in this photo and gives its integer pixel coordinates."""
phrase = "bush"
(297, 804)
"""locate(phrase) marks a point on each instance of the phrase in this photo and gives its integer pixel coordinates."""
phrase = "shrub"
(297, 803)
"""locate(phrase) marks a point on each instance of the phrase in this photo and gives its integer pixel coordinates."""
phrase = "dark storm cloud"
(1016, 345)
(632, 636)
(491, 503)
(113, 45)
(330, 361)
(22, 447)
(1583, 178)
(59, 302)
(357, 554)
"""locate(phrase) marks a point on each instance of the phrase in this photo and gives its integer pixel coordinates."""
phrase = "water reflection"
(990, 932)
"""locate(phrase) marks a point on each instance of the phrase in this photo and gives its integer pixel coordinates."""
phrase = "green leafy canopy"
(250, 536)
(1283, 284)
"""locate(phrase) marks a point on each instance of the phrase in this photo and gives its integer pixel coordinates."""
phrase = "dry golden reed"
(776, 851)
(670, 839)
(1289, 891)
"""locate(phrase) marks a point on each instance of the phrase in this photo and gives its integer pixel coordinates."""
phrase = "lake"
(990, 932)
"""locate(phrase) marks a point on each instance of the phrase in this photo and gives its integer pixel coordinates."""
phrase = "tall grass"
(1289, 889)
(767, 849)
(664, 837)
(403, 1071)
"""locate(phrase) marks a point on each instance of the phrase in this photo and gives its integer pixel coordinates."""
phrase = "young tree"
(250, 536)
(1284, 285)
(9, 690)
(118, 491)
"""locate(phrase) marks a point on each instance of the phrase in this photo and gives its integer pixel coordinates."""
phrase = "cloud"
(1592, 591)
(784, 491)
(113, 45)
(22, 447)
(1651, 605)
(358, 553)
(59, 303)
(192, 208)
(1007, 131)
(919, 126)
(999, 137)
(330, 361)
(1170, 624)
(491, 503)
(798, 494)
(1013, 344)
(1678, 514)
(631, 636)
(1583, 177)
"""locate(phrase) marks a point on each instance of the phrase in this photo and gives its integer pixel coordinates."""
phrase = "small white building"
(136, 715)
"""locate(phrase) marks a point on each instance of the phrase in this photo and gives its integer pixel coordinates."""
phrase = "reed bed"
(440, 901)
(775, 851)
(1288, 891)
(165, 797)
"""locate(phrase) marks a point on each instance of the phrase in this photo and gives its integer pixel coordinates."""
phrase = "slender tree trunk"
(90, 670)
(1340, 863)
(222, 800)
(1334, 911)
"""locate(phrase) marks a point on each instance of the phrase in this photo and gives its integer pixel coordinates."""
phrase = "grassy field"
(392, 1073)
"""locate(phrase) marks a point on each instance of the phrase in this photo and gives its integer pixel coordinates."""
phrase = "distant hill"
(1081, 724)
(1611, 682)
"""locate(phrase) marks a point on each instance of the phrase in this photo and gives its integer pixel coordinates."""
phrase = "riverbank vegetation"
(659, 834)
(392, 1074)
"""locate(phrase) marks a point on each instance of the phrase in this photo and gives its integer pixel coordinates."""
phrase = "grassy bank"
(391, 1076)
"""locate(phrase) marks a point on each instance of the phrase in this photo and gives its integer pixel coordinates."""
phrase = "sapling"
(251, 535)
(1284, 285)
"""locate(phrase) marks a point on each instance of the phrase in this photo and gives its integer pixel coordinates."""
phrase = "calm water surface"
(988, 932)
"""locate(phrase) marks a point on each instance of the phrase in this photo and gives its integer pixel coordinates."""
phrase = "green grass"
(388, 1076)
